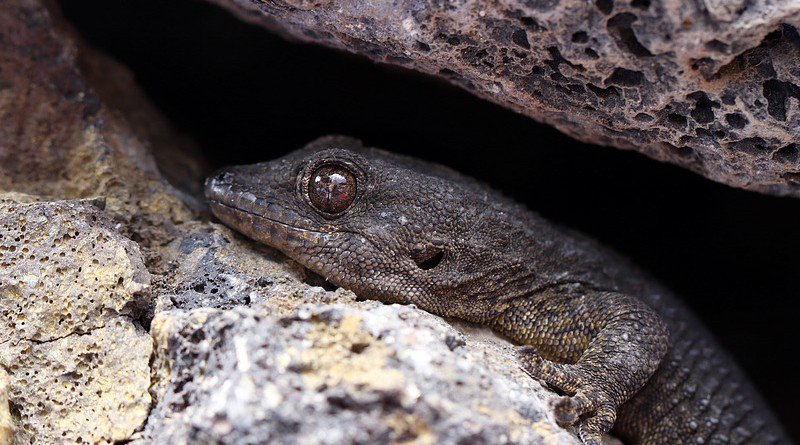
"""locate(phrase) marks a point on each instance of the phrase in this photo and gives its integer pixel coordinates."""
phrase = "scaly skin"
(591, 326)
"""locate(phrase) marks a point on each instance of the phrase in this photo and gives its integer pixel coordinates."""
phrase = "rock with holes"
(336, 374)
(710, 85)
(70, 286)
(64, 270)
(215, 267)
(72, 282)
(87, 388)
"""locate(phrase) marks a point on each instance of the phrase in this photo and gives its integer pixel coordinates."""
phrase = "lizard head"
(386, 226)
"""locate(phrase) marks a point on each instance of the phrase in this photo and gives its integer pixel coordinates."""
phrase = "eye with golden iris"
(332, 188)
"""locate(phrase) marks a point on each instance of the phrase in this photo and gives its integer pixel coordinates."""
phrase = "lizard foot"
(592, 409)
(596, 416)
(563, 377)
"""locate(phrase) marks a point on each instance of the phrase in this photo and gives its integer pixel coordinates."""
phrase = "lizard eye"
(332, 188)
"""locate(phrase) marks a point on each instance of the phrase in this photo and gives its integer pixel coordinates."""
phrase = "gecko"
(623, 352)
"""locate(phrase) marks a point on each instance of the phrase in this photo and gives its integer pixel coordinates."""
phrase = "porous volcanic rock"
(77, 183)
(710, 85)
(129, 316)
(70, 286)
(337, 374)
(65, 270)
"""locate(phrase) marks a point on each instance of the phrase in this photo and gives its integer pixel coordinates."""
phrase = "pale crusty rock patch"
(327, 374)
(70, 286)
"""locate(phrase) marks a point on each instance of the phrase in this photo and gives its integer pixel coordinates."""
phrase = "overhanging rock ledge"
(710, 85)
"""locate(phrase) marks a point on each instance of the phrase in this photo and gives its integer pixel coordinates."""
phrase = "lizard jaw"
(258, 218)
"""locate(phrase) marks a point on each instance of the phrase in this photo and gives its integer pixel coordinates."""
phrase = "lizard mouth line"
(268, 219)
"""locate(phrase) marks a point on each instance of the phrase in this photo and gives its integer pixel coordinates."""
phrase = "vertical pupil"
(332, 189)
(330, 186)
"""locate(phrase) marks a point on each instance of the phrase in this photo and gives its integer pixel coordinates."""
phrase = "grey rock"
(711, 86)
(300, 364)
(6, 425)
(142, 268)
(331, 374)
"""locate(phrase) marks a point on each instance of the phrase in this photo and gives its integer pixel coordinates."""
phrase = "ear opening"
(429, 261)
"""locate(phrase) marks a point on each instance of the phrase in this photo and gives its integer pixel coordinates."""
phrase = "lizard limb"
(600, 351)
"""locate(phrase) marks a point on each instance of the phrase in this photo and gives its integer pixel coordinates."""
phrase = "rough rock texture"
(102, 259)
(305, 365)
(214, 268)
(334, 374)
(710, 85)
(69, 288)
(90, 387)
(79, 184)
(64, 272)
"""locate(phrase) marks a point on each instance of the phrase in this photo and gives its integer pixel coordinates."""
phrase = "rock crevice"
(684, 82)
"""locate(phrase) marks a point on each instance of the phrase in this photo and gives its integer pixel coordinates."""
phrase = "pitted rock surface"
(72, 138)
(712, 86)
(141, 266)
(64, 270)
(6, 424)
(337, 374)
(217, 269)
(76, 184)
(70, 287)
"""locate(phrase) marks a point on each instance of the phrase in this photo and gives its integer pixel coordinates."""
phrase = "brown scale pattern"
(622, 349)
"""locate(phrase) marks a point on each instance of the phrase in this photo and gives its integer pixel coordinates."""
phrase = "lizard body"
(624, 351)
